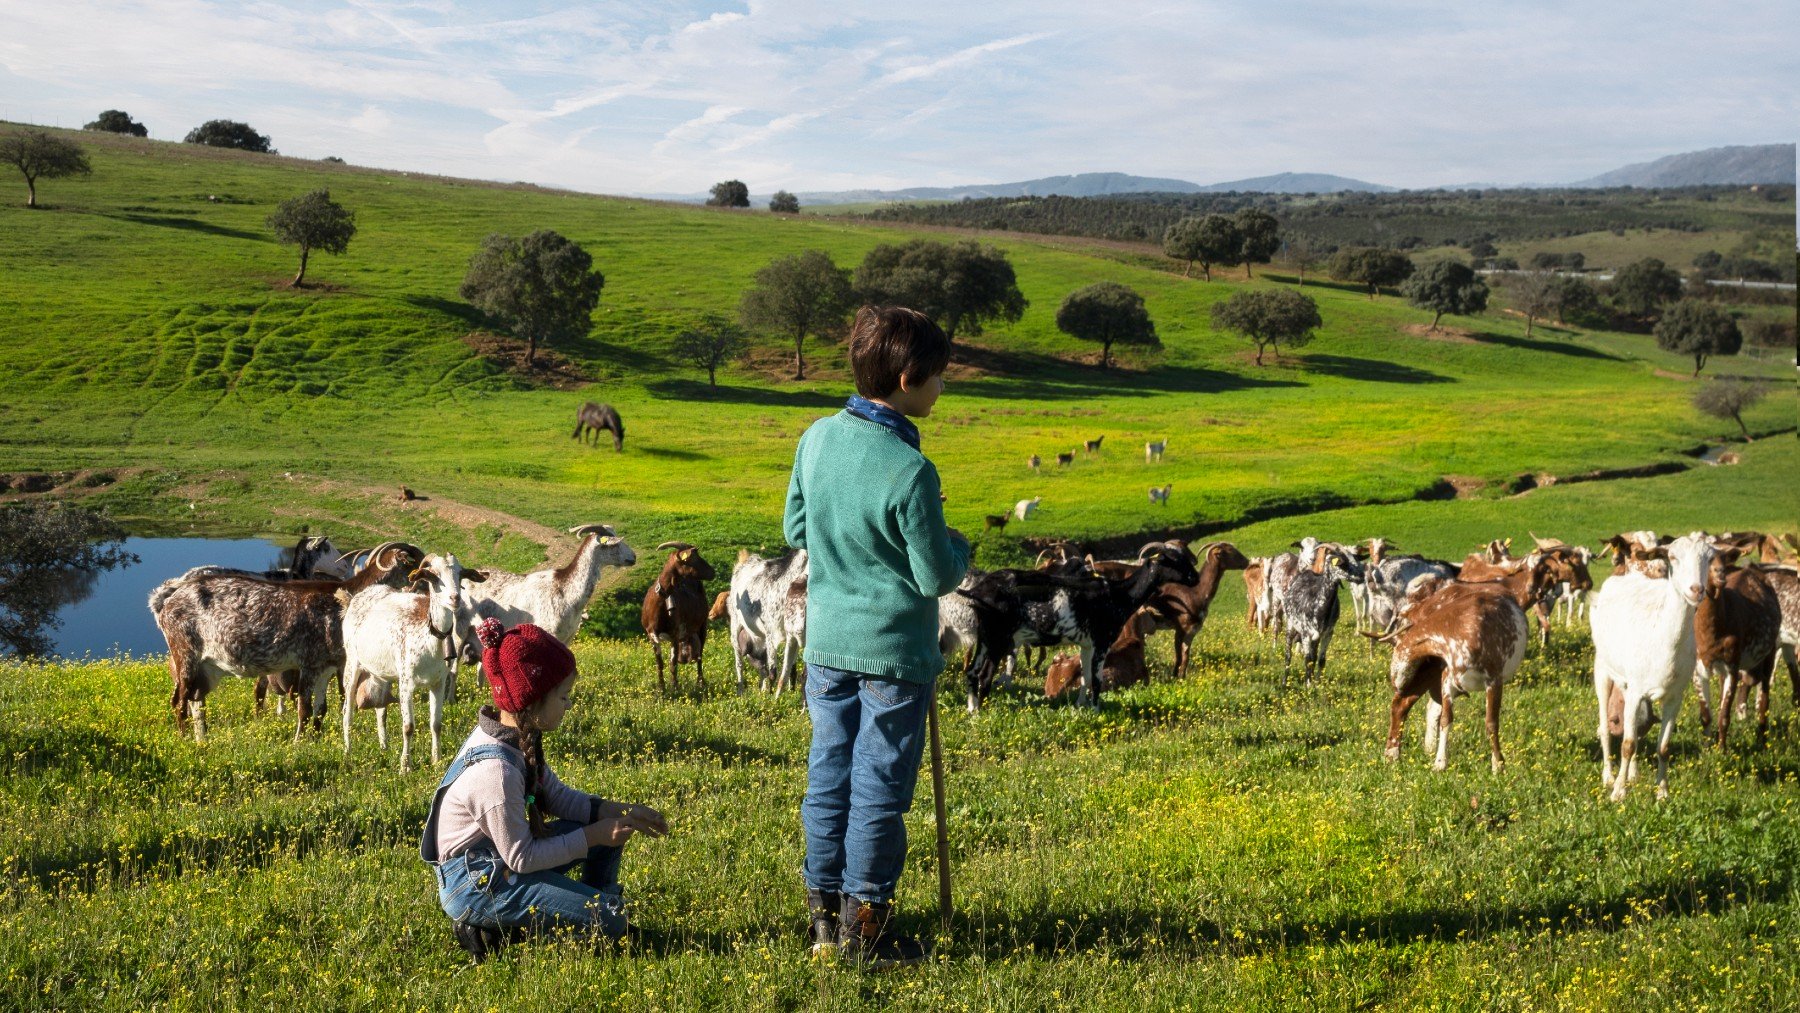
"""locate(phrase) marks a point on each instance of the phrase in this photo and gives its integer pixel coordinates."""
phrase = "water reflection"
(108, 613)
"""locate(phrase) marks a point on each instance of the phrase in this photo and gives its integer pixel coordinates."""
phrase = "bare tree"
(1536, 294)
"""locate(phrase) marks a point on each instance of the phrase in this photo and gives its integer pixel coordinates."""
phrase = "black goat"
(1310, 605)
(1034, 608)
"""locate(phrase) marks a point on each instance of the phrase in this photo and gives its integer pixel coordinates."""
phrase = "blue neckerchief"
(882, 415)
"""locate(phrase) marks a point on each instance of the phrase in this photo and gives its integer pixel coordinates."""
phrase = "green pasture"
(1214, 842)
(150, 339)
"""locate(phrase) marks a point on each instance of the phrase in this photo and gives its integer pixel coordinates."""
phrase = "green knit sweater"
(864, 505)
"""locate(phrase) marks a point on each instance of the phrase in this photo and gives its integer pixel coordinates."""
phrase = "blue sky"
(668, 98)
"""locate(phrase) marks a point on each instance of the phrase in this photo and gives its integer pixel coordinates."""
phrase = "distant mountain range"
(1098, 184)
(1740, 164)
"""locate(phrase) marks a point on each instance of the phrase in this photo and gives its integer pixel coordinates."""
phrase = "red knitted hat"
(522, 664)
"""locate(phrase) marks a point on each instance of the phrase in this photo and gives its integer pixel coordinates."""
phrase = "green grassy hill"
(152, 349)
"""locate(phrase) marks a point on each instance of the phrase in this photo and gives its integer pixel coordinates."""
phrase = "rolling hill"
(1738, 164)
(156, 355)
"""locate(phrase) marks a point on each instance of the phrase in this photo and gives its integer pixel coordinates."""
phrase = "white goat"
(1643, 629)
(1023, 509)
(1154, 451)
(767, 608)
(551, 599)
(397, 641)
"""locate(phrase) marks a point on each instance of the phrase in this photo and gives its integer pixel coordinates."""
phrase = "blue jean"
(478, 888)
(868, 735)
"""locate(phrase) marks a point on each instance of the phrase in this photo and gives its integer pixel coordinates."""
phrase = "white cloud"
(614, 96)
(372, 120)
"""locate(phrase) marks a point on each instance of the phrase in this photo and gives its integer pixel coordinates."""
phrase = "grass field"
(1192, 844)
(153, 343)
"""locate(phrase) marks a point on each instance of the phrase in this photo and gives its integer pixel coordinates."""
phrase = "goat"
(1256, 573)
(1183, 607)
(767, 606)
(592, 418)
(1160, 495)
(675, 611)
(1386, 576)
(1034, 462)
(312, 557)
(1632, 552)
(1124, 662)
(553, 598)
(396, 641)
(1644, 650)
(1092, 446)
(1737, 633)
(992, 522)
(219, 624)
(1044, 608)
(1276, 577)
(1063, 460)
(1310, 607)
(1786, 585)
(1023, 509)
(1456, 639)
(1153, 451)
(1064, 669)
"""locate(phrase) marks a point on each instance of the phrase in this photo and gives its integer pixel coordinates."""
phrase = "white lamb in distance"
(1023, 509)
(1644, 648)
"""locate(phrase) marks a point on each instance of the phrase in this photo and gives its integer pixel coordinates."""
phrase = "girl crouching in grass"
(500, 862)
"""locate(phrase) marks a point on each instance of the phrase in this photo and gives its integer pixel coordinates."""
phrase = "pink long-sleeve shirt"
(488, 802)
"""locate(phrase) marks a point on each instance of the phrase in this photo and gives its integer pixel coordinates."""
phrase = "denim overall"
(477, 887)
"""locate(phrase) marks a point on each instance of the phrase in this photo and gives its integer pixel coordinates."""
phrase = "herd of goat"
(1677, 612)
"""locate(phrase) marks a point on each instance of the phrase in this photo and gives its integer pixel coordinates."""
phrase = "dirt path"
(387, 505)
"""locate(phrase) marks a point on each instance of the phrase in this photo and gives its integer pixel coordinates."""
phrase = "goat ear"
(687, 554)
(474, 576)
(1318, 563)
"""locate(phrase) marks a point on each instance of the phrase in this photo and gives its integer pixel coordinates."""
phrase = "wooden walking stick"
(943, 829)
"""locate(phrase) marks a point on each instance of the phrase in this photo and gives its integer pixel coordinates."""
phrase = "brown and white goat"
(1737, 633)
(675, 610)
(220, 623)
(1786, 584)
(1457, 639)
(1183, 608)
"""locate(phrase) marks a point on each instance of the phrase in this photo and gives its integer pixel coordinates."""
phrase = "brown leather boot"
(864, 936)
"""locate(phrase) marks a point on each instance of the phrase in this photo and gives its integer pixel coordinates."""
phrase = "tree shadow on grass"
(1376, 370)
(1033, 376)
(1132, 932)
(672, 454)
(694, 390)
(449, 307)
(1534, 345)
(191, 225)
(669, 747)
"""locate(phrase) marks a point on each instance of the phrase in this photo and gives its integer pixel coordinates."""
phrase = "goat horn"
(587, 529)
(673, 545)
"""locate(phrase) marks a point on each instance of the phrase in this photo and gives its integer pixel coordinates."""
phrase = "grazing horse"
(594, 417)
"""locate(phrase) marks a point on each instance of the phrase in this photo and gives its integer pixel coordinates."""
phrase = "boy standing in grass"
(865, 505)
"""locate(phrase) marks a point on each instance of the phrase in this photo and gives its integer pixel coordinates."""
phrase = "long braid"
(531, 743)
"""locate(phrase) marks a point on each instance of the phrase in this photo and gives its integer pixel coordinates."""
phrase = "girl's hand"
(644, 818)
(612, 832)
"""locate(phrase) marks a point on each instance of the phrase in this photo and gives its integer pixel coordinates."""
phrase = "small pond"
(109, 613)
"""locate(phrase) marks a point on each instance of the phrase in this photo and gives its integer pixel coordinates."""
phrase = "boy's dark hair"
(889, 342)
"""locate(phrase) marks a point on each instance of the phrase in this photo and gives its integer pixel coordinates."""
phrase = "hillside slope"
(150, 339)
(1736, 164)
